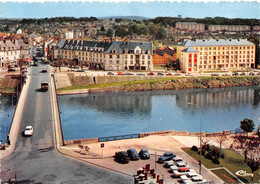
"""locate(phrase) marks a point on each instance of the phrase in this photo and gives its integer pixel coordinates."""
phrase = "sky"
(149, 9)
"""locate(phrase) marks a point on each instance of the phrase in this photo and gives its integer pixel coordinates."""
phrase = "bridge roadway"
(35, 159)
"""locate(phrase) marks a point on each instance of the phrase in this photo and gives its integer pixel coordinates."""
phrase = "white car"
(28, 131)
(195, 179)
(169, 163)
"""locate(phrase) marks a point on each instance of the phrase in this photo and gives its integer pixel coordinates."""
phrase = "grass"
(233, 162)
(150, 81)
(225, 176)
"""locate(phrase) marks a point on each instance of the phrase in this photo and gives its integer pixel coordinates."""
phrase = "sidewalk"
(15, 126)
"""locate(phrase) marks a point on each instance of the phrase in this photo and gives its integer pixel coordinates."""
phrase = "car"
(188, 74)
(129, 74)
(181, 164)
(168, 74)
(173, 168)
(235, 73)
(151, 73)
(159, 73)
(110, 73)
(169, 163)
(166, 156)
(122, 157)
(195, 179)
(214, 74)
(44, 70)
(177, 74)
(181, 171)
(225, 74)
(251, 73)
(144, 154)
(120, 73)
(177, 159)
(11, 69)
(140, 74)
(243, 73)
(28, 131)
(132, 153)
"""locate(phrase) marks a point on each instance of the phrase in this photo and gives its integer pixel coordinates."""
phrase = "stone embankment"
(9, 83)
(149, 83)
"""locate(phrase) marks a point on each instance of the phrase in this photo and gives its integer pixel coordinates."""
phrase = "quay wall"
(160, 133)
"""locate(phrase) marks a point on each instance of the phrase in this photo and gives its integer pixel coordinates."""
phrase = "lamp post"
(200, 134)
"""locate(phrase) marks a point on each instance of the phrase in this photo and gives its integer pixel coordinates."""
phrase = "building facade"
(161, 55)
(113, 55)
(236, 28)
(191, 26)
(210, 55)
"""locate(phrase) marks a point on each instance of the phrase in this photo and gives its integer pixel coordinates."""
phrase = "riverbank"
(83, 84)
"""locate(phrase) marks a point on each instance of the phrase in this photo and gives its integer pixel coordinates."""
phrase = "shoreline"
(167, 84)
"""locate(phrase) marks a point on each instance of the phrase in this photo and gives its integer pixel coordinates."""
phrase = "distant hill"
(126, 17)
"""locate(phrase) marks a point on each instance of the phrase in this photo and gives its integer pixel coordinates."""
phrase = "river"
(7, 106)
(108, 114)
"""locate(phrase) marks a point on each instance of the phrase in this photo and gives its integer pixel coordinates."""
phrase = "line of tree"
(170, 21)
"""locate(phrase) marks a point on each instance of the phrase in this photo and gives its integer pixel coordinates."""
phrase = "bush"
(215, 151)
(221, 154)
(209, 156)
(216, 161)
(194, 148)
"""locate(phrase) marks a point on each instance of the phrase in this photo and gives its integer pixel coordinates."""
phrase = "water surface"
(107, 114)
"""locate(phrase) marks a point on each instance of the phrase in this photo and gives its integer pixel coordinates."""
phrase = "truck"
(44, 85)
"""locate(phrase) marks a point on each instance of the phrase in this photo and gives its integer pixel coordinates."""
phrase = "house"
(161, 55)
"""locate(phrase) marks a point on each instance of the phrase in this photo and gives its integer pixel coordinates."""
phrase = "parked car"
(181, 171)
(214, 74)
(140, 74)
(132, 153)
(169, 163)
(110, 73)
(122, 157)
(166, 156)
(11, 69)
(177, 159)
(251, 73)
(177, 74)
(196, 179)
(159, 73)
(144, 154)
(168, 74)
(181, 164)
(151, 73)
(120, 73)
(28, 131)
(243, 73)
(235, 73)
(129, 74)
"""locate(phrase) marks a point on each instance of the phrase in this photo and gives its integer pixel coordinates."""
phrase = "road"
(35, 159)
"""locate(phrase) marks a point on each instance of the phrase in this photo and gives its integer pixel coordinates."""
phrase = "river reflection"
(7, 105)
(106, 114)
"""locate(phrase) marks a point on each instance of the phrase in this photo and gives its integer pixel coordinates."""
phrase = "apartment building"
(9, 53)
(210, 55)
(236, 28)
(113, 55)
(191, 26)
(161, 55)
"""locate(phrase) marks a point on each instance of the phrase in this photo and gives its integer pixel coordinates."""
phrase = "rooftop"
(218, 42)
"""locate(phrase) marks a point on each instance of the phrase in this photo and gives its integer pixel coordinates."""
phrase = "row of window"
(224, 48)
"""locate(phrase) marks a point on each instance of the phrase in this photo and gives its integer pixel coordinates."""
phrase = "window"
(148, 57)
(117, 56)
(110, 56)
(132, 56)
(142, 62)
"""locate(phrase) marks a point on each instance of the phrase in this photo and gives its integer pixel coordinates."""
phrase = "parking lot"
(156, 146)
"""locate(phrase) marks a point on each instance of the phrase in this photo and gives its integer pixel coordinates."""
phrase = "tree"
(220, 139)
(247, 125)
(121, 32)
(102, 28)
(161, 34)
(169, 62)
(110, 32)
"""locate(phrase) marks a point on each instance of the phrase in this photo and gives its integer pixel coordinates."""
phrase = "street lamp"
(200, 133)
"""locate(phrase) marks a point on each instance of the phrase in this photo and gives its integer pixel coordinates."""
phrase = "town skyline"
(148, 9)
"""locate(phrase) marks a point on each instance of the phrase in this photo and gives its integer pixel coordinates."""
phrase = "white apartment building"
(236, 28)
(210, 55)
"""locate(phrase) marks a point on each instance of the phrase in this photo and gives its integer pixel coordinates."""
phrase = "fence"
(119, 137)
